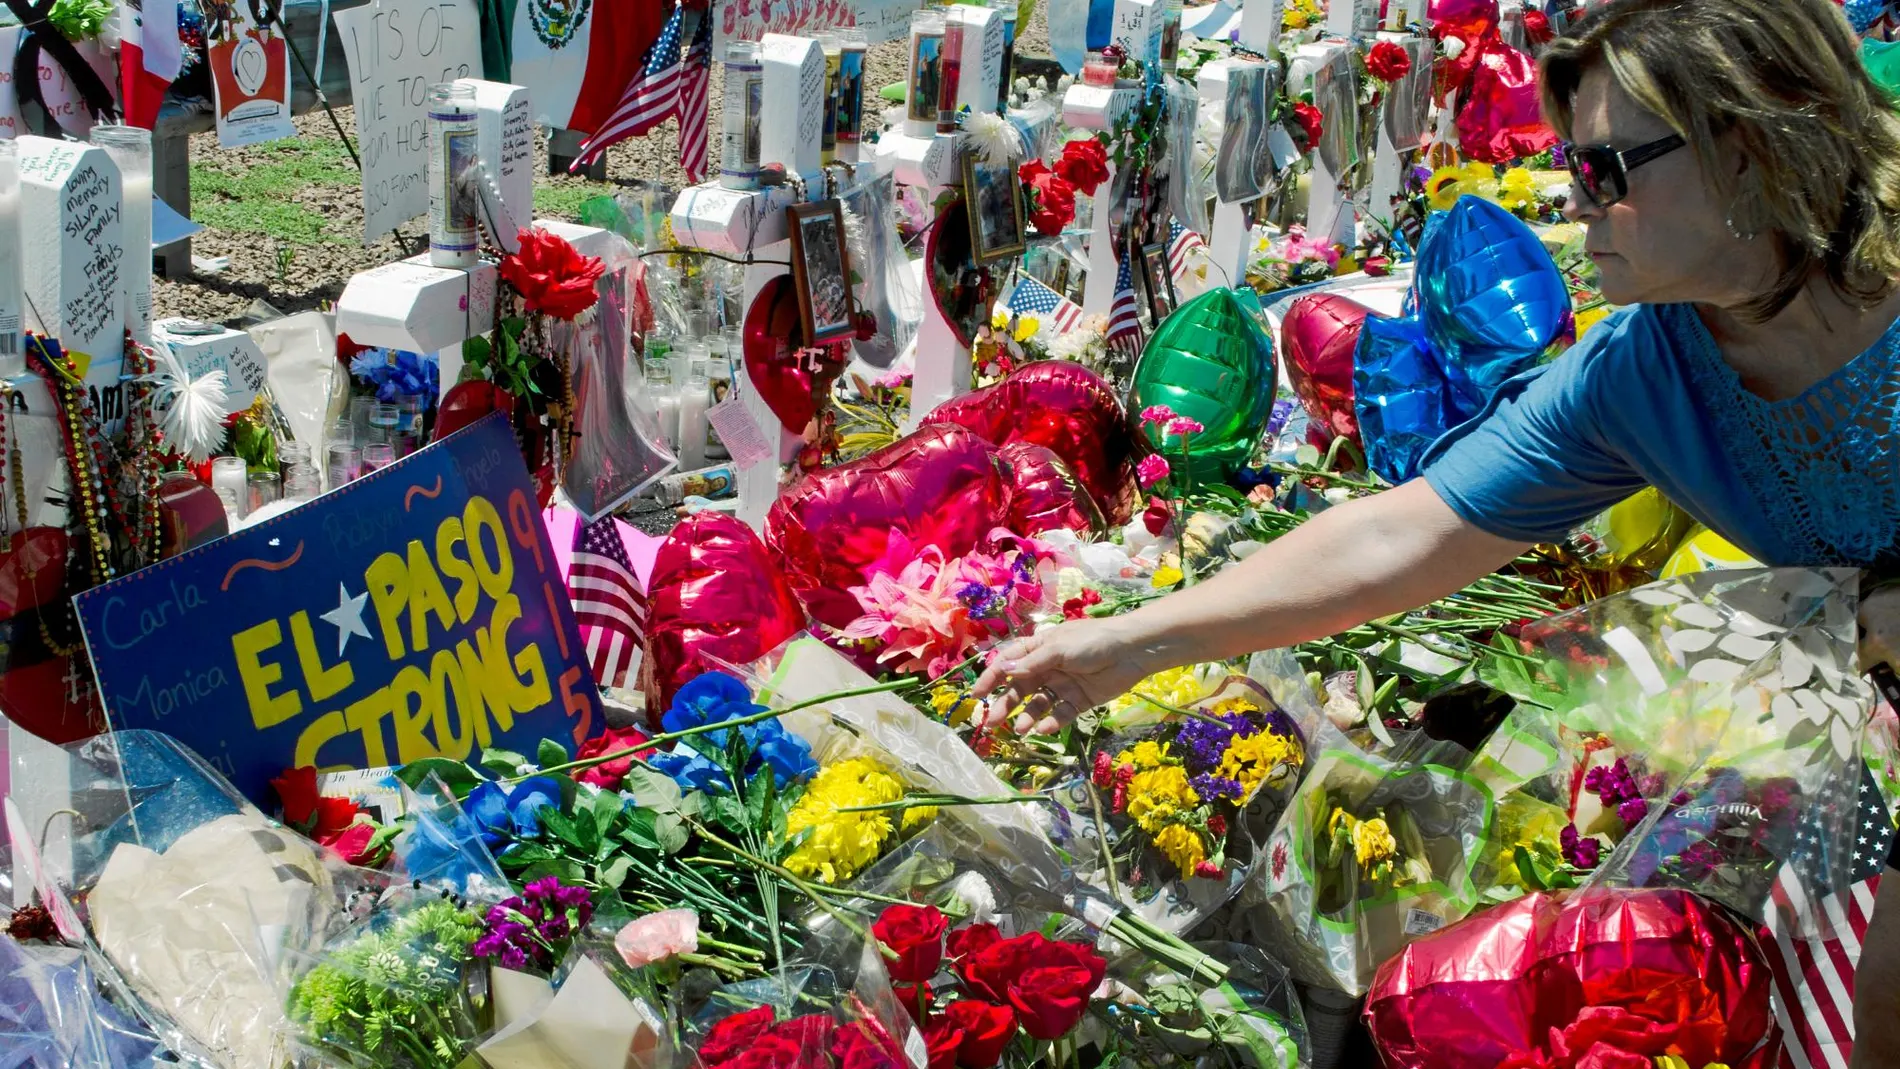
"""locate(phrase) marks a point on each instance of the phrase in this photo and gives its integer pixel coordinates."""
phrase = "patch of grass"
(563, 200)
(258, 197)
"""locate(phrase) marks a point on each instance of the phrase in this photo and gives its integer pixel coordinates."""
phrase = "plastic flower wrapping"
(836, 1014)
(52, 1012)
(1693, 729)
(1372, 852)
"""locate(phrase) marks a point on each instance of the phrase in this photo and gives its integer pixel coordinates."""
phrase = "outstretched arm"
(1369, 558)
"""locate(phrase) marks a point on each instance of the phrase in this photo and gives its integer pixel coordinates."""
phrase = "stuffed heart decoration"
(789, 376)
(1066, 408)
(942, 486)
(715, 593)
(1047, 494)
(467, 402)
(1318, 334)
(33, 671)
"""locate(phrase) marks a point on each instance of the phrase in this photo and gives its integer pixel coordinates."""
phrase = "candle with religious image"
(850, 99)
(926, 72)
(952, 71)
(1009, 12)
(454, 148)
(739, 119)
(828, 133)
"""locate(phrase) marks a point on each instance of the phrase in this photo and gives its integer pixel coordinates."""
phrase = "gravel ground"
(316, 272)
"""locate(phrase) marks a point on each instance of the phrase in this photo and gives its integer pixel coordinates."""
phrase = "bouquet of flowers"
(1371, 853)
(1717, 717)
(56, 1016)
(394, 990)
(926, 613)
(1252, 1021)
(804, 1018)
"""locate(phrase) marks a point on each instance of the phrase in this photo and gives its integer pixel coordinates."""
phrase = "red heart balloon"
(715, 592)
(1066, 408)
(1503, 120)
(190, 514)
(1318, 336)
(42, 641)
(467, 402)
(941, 486)
(792, 379)
(1047, 494)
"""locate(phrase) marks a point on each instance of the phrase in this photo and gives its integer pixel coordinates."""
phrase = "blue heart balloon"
(1486, 301)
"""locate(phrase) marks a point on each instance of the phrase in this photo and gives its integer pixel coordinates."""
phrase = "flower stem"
(936, 801)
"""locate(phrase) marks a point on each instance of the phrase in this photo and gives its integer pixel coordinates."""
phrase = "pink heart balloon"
(1468, 19)
(717, 593)
(1066, 408)
(1503, 119)
(791, 378)
(941, 486)
(1048, 495)
(1318, 336)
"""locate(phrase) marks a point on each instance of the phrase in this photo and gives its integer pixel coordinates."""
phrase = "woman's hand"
(1051, 677)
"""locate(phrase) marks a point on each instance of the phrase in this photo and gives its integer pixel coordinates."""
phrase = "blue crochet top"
(1646, 398)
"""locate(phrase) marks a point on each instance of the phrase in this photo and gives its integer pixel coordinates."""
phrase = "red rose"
(858, 1046)
(1054, 197)
(1217, 825)
(353, 844)
(1077, 607)
(297, 789)
(552, 276)
(1084, 164)
(1207, 870)
(915, 935)
(608, 775)
(767, 1052)
(915, 998)
(1077, 955)
(1311, 122)
(734, 1034)
(986, 1029)
(811, 1032)
(990, 972)
(1155, 517)
(971, 938)
(1388, 62)
(944, 1040)
(1050, 1000)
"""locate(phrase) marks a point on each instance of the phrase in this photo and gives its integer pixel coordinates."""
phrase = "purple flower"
(514, 958)
(1699, 860)
(1276, 421)
(1580, 851)
(571, 897)
(1206, 740)
(1631, 811)
(556, 928)
(1212, 788)
(544, 888)
(1595, 779)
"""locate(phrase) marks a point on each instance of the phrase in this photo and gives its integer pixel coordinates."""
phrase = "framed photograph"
(1237, 176)
(1158, 280)
(821, 271)
(995, 198)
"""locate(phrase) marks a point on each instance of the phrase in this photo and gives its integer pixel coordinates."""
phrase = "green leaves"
(456, 776)
(550, 753)
(506, 763)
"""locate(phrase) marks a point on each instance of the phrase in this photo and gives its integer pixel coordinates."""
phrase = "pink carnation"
(1157, 414)
(1152, 469)
(657, 937)
(1184, 426)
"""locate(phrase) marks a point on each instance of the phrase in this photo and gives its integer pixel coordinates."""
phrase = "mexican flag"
(576, 57)
(149, 56)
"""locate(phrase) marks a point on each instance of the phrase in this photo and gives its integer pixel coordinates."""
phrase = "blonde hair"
(1785, 79)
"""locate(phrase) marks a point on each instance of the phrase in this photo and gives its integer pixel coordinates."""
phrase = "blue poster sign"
(416, 612)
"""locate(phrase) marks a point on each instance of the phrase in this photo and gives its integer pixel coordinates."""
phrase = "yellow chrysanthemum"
(1026, 328)
(1372, 842)
(1178, 687)
(841, 844)
(1230, 706)
(1157, 795)
(1181, 845)
(1250, 759)
(999, 320)
(1165, 576)
(1145, 755)
(950, 704)
(1517, 190)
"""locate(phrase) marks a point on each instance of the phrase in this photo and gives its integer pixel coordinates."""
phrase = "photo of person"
(1243, 145)
(1158, 280)
(822, 270)
(995, 197)
(926, 71)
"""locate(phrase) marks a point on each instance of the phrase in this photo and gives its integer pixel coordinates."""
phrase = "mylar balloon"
(1468, 19)
(941, 486)
(1502, 119)
(1317, 337)
(1067, 408)
(715, 592)
(1211, 361)
(1641, 532)
(1047, 494)
(467, 402)
(1706, 551)
(1486, 301)
(791, 378)
(1882, 59)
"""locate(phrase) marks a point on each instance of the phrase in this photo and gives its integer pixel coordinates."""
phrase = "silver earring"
(1738, 232)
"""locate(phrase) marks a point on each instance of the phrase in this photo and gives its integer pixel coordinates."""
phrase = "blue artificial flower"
(691, 771)
(501, 816)
(788, 754)
(709, 699)
(450, 853)
(486, 811)
(526, 800)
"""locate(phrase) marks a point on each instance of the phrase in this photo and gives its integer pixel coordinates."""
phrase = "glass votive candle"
(342, 461)
(377, 456)
(265, 489)
(1099, 69)
(232, 475)
(384, 421)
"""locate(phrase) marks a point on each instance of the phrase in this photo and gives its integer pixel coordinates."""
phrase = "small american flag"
(650, 100)
(1814, 976)
(1032, 298)
(1181, 243)
(1124, 320)
(695, 83)
(610, 604)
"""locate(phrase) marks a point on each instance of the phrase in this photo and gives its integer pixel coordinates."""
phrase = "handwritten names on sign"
(751, 20)
(794, 113)
(418, 612)
(505, 118)
(71, 248)
(396, 50)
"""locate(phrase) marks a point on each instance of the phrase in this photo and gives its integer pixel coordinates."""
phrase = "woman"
(1739, 176)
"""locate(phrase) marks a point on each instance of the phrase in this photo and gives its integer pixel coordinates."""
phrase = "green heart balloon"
(1211, 361)
(1882, 59)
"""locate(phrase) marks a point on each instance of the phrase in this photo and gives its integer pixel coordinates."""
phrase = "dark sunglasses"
(1603, 173)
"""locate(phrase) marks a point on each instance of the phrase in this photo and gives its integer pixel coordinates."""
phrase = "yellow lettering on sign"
(388, 580)
(425, 596)
(467, 589)
(323, 683)
(267, 709)
(498, 571)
